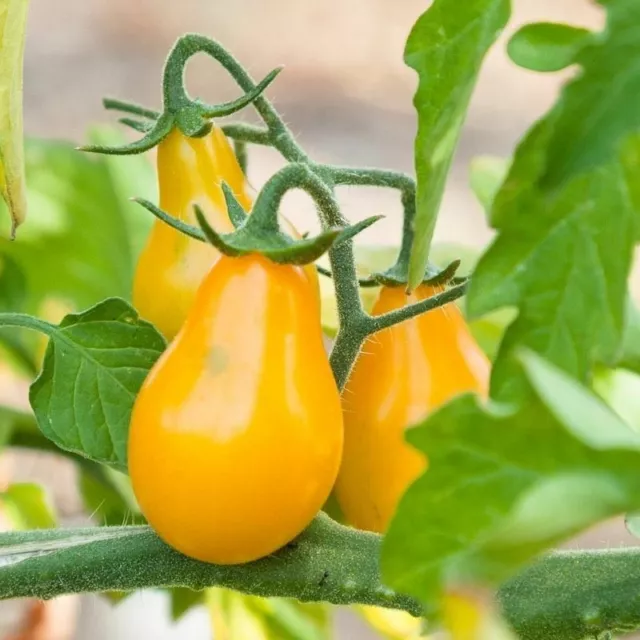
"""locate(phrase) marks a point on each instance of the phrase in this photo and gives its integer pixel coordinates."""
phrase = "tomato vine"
(547, 455)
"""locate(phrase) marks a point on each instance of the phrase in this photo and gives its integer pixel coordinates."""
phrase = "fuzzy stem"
(130, 107)
(247, 133)
(295, 176)
(376, 323)
(240, 149)
(392, 180)
(174, 93)
(328, 562)
(319, 180)
(566, 595)
(350, 312)
(354, 176)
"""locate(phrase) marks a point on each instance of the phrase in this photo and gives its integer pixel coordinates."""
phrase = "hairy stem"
(567, 595)
(355, 176)
(392, 180)
(328, 562)
(130, 107)
(247, 133)
(320, 180)
(571, 595)
(376, 323)
(174, 93)
(344, 353)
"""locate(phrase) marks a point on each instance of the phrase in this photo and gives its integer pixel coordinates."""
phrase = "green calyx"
(396, 276)
(260, 232)
(190, 115)
(252, 237)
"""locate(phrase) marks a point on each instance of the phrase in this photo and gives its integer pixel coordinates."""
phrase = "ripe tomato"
(403, 373)
(172, 265)
(236, 435)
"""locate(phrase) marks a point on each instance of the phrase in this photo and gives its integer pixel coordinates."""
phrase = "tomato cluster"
(236, 437)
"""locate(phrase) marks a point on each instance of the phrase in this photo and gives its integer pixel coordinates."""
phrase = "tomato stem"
(130, 107)
(318, 180)
(376, 323)
(242, 132)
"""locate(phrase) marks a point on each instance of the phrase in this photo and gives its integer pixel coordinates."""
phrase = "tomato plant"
(487, 410)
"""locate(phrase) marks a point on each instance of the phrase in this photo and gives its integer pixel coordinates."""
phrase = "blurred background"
(345, 90)
(347, 95)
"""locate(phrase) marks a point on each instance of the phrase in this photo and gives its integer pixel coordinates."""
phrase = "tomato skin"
(402, 374)
(172, 265)
(236, 435)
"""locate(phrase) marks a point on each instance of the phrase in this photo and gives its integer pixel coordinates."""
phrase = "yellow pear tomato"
(402, 374)
(172, 265)
(236, 434)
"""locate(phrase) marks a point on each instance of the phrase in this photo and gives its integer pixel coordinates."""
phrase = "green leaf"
(108, 496)
(505, 483)
(488, 330)
(601, 106)
(487, 173)
(553, 260)
(82, 238)
(94, 365)
(13, 19)
(28, 507)
(445, 47)
(547, 46)
(573, 406)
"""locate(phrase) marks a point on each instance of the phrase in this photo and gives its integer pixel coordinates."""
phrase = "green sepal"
(157, 134)
(227, 108)
(191, 121)
(396, 276)
(353, 230)
(192, 117)
(237, 214)
(172, 221)
(133, 108)
(444, 276)
(136, 125)
(253, 237)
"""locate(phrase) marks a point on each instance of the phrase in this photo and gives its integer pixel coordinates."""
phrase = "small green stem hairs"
(260, 231)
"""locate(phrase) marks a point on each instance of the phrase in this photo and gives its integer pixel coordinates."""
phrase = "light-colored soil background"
(345, 92)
